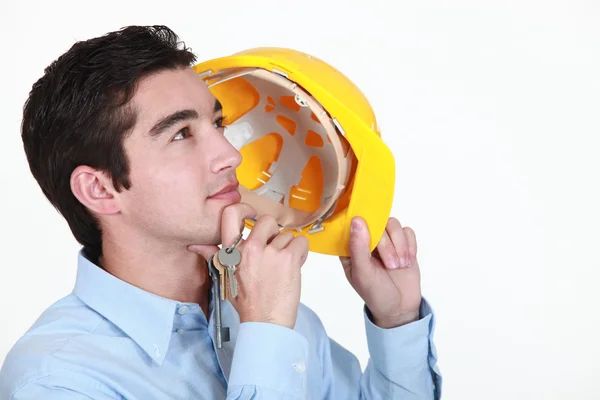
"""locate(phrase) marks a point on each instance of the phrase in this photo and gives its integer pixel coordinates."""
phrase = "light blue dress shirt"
(111, 340)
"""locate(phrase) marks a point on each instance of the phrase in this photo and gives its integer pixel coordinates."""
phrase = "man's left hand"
(387, 279)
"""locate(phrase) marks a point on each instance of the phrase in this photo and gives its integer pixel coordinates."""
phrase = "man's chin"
(207, 235)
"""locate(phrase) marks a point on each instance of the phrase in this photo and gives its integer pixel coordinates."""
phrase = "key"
(230, 258)
(221, 271)
(231, 283)
(222, 333)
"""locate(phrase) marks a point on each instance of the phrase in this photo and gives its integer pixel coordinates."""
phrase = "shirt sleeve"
(403, 360)
(269, 362)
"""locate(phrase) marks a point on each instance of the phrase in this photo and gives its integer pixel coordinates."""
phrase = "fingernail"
(355, 227)
(404, 262)
(394, 263)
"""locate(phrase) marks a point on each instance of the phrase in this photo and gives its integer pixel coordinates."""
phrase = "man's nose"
(226, 156)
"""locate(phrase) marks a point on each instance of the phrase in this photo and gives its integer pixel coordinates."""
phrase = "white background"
(492, 111)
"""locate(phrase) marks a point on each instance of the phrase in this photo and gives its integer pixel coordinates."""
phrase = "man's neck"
(167, 271)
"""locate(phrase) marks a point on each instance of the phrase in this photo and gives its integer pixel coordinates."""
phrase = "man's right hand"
(268, 276)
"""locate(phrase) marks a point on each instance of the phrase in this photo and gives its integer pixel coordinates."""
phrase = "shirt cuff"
(270, 356)
(397, 349)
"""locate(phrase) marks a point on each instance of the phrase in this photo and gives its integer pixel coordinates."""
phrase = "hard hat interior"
(295, 163)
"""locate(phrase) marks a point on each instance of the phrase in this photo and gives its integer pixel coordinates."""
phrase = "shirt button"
(183, 309)
(299, 367)
(180, 331)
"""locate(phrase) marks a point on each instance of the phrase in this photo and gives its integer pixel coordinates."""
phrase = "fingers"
(387, 251)
(265, 229)
(205, 251)
(282, 240)
(232, 222)
(396, 248)
(359, 242)
(347, 265)
(411, 240)
(298, 247)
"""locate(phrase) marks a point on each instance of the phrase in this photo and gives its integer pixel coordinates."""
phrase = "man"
(127, 143)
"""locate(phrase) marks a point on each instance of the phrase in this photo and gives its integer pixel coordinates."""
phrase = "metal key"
(222, 334)
(233, 289)
(227, 258)
(220, 269)
(230, 258)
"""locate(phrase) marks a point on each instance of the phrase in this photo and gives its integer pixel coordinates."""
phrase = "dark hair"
(77, 113)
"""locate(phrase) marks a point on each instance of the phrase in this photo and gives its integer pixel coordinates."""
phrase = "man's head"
(124, 138)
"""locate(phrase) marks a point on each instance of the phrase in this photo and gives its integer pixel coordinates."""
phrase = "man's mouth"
(228, 192)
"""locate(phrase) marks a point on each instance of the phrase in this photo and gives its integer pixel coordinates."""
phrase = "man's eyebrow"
(171, 120)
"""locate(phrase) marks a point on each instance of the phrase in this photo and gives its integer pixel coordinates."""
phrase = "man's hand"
(388, 280)
(268, 276)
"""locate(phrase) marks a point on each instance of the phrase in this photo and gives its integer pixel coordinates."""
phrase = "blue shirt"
(111, 340)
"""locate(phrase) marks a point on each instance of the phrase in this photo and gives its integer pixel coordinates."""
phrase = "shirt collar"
(145, 317)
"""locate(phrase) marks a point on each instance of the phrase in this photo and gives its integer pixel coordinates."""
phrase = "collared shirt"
(111, 340)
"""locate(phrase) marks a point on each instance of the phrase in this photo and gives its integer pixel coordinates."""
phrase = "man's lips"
(228, 192)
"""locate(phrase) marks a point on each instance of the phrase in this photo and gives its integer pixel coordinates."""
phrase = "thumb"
(360, 239)
(206, 251)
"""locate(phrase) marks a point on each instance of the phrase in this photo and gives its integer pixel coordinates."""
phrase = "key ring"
(230, 248)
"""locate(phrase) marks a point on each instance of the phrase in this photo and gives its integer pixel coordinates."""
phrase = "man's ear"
(94, 190)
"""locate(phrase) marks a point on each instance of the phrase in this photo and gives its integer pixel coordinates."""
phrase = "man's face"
(179, 159)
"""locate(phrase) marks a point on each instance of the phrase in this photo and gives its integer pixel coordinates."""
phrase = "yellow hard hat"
(312, 153)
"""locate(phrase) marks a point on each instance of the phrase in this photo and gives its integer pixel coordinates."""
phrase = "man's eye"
(220, 123)
(182, 134)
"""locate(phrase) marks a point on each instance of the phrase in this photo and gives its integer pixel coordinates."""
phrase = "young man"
(127, 143)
